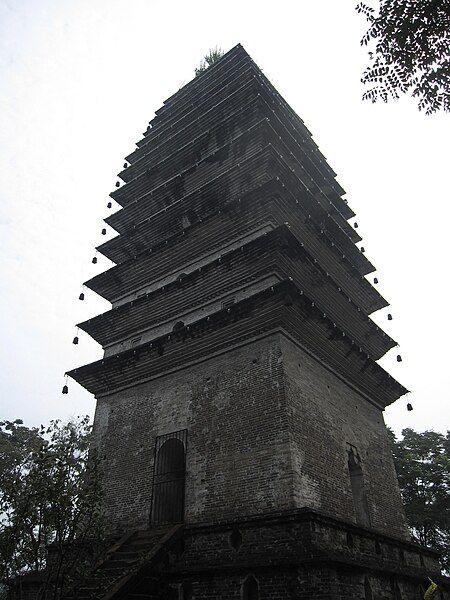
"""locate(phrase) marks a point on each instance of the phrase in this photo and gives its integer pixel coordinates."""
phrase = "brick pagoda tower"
(239, 401)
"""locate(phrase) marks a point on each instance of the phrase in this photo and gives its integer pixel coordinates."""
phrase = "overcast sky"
(79, 80)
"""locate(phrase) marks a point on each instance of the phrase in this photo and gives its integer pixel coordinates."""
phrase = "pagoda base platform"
(277, 556)
(298, 554)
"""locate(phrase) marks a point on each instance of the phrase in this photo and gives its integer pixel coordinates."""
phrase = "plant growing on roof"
(214, 54)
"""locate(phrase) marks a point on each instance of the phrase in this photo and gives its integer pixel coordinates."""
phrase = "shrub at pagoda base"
(51, 526)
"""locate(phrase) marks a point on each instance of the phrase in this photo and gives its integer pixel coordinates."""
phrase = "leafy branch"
(409, 45)
(50, 499)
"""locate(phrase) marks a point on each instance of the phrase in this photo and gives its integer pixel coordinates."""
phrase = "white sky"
(79, 80)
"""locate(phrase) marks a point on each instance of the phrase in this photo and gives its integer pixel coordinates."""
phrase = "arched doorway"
(168, 481)
(250, 589)
(358, 490)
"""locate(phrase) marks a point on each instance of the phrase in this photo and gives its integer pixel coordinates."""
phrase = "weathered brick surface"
(300, 554)
(268, 433)
(267, 429)
(326, 414)
(238, 459)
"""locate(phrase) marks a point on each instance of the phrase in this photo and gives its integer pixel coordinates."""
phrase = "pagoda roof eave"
(294, 118)
(280, 239)
(106, 283)
(288, 138)
(360, 261)
(280, 308)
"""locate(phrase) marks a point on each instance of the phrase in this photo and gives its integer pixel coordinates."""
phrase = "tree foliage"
(49, 497)
(409, 42)
(214, 54)
(422, 462)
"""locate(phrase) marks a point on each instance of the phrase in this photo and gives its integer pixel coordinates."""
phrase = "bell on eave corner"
(75, 340)
(355, 225)
(94, 260)
(399, 358)
(375, 280)
(389, 317)
(65, 389)
(409, 406)
(117, 183)
(81, 296)
(103, 231)
(362, 249)
(109, 205)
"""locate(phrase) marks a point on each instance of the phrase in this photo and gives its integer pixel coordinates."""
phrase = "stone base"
(300, 554)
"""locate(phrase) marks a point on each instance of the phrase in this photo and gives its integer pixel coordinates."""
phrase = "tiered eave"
(233, 226)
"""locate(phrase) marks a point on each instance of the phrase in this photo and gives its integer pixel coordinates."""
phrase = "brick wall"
(326, 415)
(237, 451)
(268, 429)
(301, 554)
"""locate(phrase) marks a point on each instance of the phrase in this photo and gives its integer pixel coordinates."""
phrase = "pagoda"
(239, 399)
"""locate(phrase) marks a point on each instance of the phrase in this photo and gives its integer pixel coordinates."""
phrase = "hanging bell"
(81, 296)
(103, 231)
(94, 260)
(375, 280)
(362, 249)
(355, 225)
(389, 317)
(109, 205)
(117, 183)
(125, 165)
(75, 340)
(409, 406)
(65, 389)
(399, 358)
